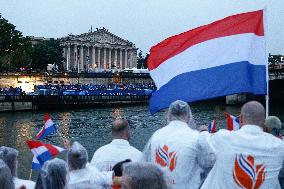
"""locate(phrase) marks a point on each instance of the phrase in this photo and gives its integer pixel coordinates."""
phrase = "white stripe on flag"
(39, 150)
(212, 53)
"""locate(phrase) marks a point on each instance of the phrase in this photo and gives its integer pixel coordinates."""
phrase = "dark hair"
(119, 126)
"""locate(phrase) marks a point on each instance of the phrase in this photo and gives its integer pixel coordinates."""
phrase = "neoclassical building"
(98, 51)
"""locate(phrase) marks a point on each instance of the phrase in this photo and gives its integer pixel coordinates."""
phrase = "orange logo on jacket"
(166, 158)
(246, 174)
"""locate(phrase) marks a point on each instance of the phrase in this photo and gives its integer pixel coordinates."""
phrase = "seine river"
(92, 127)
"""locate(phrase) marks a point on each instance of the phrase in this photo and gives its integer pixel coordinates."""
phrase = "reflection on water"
(92, 127)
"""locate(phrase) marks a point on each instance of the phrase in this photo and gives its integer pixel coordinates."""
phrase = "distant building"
(36, 40)
(98, 51)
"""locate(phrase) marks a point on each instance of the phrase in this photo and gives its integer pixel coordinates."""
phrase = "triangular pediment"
(101, 36)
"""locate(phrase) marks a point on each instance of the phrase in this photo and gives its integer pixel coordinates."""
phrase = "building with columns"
(98, 51)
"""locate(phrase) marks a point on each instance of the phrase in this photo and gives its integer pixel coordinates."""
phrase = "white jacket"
(248, 158)
(174, 148)
(27, 183)
(118, 150)
(89, 178)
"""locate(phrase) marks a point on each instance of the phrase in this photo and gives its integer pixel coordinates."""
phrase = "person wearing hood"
(53, 175)
(174, 148)
(10, 157)
(83, 176)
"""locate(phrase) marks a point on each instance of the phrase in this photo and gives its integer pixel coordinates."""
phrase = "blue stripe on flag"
(47, 131)
(240, 77)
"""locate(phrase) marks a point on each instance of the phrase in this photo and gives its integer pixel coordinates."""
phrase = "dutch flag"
(49, 127)
(222, 58)
(212, 127)
(42, 152)
(233, 123)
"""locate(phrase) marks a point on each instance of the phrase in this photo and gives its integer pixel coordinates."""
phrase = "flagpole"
(265, 23)
(31, 172)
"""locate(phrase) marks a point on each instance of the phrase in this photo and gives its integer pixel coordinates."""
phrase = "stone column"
(115, 58)
(99, 57)
(93, 57)
(120, 61)
(68, 58)
(81, 59)
(109, 59)
(75, 64)
(104, 58)
(125, 59)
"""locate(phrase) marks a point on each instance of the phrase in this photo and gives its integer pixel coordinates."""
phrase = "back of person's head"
(120, 129)
(10, 157)
(179, 110)
(273, 125)
(142, 176)
(53, 175)
(77, 156)
(6, 178)
(252, 113)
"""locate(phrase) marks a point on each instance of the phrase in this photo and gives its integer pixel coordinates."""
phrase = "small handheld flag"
(49, 127)
(212, 127)
(42, 152)
(233, 123)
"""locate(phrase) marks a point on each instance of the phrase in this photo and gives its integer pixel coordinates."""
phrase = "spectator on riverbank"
(10, 157)
(6, 179)
(272, 125)
(83, 176)
(53, 175)
(118, 150)
(248, 157)
(174, 148)
(142, 176)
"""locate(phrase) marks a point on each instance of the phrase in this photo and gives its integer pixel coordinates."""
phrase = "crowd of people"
(12, 91)
(177, 156)
(96, 89)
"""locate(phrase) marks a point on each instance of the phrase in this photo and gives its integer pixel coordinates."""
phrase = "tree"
(47, 52)
(14, 48)
(142, 61)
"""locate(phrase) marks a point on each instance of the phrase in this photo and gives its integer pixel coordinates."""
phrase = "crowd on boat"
(179, 155)
(87, 89)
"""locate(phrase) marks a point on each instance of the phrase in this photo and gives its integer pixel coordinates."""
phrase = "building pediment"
(100, 36)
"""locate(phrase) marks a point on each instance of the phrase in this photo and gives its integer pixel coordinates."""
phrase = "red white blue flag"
(212, 127)
(42, 152)
(233, 123)
(49, 127)
(222, 58)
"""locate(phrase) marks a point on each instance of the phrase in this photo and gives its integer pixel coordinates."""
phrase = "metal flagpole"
(30, 178)
(265, 23)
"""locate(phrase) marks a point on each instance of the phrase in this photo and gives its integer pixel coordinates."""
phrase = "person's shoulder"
(103, 148)
(27, 183)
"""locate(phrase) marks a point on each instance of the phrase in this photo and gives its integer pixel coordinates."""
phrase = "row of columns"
(91, 58)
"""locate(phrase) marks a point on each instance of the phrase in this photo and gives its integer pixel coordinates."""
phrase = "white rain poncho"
(83, 176)
(174, 148)
(248, 158)
(10, 156)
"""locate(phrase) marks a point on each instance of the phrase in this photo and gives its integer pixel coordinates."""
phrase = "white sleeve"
(146, 153)
(205, 154)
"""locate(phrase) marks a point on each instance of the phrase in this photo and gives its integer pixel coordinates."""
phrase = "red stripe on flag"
(34, 144)
(52, 149)
(230, 125)
(46, 117)
(251, 22)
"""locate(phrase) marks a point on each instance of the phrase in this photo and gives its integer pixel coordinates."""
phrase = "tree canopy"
(17, 51)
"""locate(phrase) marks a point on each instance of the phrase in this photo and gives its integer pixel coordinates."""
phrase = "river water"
(92, 127)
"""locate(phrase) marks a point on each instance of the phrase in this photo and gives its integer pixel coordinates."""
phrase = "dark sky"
(143, 22)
